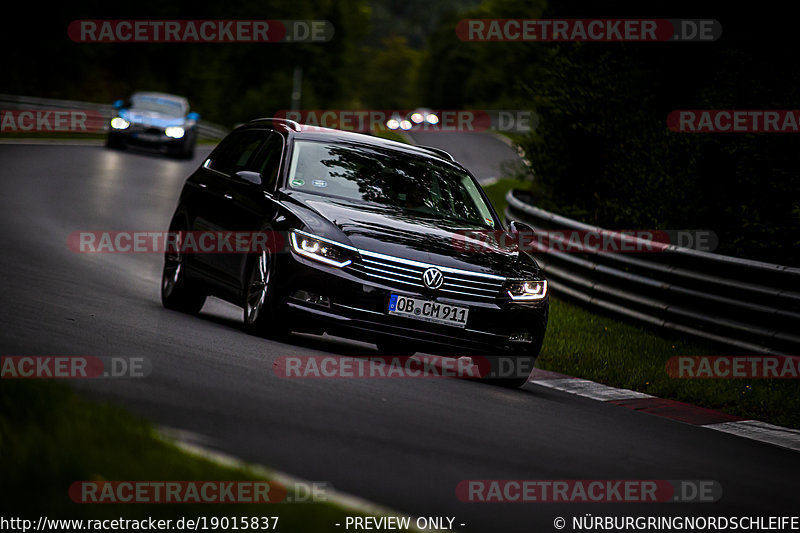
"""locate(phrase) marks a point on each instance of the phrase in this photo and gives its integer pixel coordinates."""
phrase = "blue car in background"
(156, 120)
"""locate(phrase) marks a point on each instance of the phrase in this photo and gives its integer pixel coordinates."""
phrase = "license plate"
(428, 311)
(148, 137)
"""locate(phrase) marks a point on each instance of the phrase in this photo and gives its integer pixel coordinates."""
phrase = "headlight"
(176, 132)
(119, 123)
(321, 250)
(528, 290)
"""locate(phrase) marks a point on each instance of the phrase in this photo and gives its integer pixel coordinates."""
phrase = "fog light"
(520, 337)
(311, 298)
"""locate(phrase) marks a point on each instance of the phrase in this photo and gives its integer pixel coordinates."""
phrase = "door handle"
(228, 196)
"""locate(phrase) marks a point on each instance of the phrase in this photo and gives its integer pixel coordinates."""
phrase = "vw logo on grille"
(433, 278)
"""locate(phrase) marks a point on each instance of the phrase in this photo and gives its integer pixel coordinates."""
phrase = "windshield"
(415, 185)
(157, 105)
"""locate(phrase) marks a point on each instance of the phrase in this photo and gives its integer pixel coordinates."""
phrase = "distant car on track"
(370, 227)
(154, 120)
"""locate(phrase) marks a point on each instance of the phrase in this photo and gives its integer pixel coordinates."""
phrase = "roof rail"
(438, 151)
(271, 121)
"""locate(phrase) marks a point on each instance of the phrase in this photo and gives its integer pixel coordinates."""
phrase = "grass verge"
(50, 437)
(594, 346)
(496, 192)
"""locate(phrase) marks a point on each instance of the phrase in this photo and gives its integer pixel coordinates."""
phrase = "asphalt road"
(401, 443)
(483, 154)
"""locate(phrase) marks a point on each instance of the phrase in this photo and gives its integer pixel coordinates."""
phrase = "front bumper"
(355, 307)
(147, 137)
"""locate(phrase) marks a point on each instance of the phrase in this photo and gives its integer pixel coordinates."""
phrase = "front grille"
(406, 274)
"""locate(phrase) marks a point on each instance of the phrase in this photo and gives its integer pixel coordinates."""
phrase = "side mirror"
(249, 176)
(119, 104)
(193, 116)
(516, 226)
(523, 234)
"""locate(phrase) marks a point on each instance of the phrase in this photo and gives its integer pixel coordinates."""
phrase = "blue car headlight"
(119, 123)
(175, 132)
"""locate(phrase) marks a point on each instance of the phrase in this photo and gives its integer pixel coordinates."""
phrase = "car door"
(253, 204)
(215, 210)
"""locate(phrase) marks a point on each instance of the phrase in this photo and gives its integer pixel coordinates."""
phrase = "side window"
(268, 160)
(236, 151)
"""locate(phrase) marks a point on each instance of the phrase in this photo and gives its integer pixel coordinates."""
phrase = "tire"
(177, 292)
(508, 383)
(391, 348)
(188, 153)
(185, 151)
(114, 142)
(262, 314)
(524, 365)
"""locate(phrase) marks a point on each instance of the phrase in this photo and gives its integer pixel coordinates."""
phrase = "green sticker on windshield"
(298, 182)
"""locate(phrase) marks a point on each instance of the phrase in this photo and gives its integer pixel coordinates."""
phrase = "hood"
(151, 118)
(394, 232)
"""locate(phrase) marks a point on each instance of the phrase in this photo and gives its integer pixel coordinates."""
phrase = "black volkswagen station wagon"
(371, 230)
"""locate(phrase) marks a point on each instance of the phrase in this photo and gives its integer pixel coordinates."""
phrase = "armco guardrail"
(205, 130)
(750, 305)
